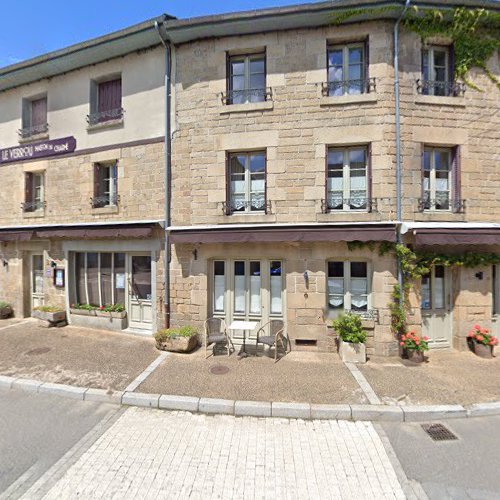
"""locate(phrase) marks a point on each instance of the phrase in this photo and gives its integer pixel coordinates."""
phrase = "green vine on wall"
(475, 33)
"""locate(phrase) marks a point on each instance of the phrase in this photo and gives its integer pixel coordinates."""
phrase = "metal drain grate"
(438, 432)
(219, 370)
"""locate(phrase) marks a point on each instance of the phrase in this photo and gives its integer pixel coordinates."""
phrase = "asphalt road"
(36, 430)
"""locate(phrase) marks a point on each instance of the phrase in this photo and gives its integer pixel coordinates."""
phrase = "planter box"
(99, 319)
(178, 344)
(481, 350)
(50, 317)
(352, 353)
(5, 312)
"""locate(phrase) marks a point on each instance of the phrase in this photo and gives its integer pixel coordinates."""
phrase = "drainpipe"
(398, 140)
(168, 163)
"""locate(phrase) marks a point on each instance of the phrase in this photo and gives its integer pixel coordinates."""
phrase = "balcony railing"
(27, 132)
(369, 314)
(105, 116)
(33, 206)
(439, 88)
(441, 205)
(349, 87)
(247, 96)
(358, 204)
(255, 206)
(105, 201)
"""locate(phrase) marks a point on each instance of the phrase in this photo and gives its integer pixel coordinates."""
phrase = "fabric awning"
(284, 234)
(462, 236)
(16, 235)
(114, 232)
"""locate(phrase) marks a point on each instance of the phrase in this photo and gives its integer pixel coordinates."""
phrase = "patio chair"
(277, 336)
(216, 333)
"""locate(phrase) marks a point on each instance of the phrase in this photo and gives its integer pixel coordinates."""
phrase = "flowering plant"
(482, 336)
(413, 342)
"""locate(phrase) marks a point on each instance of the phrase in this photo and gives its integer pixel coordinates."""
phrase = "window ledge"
(247, 107)
(346, 215)
(34, 215)
(111, 209)
(246, 218)
(34, 138)
(347, 99)
(104, 125)
(438, 100)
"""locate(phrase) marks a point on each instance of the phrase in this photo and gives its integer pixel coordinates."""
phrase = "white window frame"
(432, 291)
(246, 59)
(431, 49)
(38, 191)
(346, 178)
(347, 286)
(432, 179)
(345, 66)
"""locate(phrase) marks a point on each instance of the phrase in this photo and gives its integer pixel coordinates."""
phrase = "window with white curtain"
(433, 289)
(437, 178)
(348, 286)
(435, 70)
(347, 178)
(346, 69)
(276, 280)
(219, 285)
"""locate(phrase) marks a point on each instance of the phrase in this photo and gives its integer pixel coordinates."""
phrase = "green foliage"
(413, 342)
(4, 304)
(349, 328)
(106, 308)
(49, 309)
(168, 333)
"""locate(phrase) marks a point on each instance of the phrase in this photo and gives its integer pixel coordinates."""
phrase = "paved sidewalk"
(155, 454)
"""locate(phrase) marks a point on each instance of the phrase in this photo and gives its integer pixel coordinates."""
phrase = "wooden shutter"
(422, 177)
(228, 184)
(97, 180)
(26, 110)
(451, 63)
(369, 178)
(367, 66)
(116, 94)
(265, 182)
(115, 182)
(456, 174)
(28, 187)
(94, 91)
(39, 112)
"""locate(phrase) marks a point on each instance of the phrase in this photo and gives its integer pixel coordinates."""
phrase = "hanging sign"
(38, 150)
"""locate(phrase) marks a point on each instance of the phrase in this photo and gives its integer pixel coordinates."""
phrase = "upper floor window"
(348, 286)
(34, 117)
(34, 197)
(105, 185)
(105, 101)
(246, 79)
(437, 71)
(347, 69)
(347, 183)
(246, 182)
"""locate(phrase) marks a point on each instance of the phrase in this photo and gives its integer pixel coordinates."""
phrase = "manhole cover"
(38, 350)
(219, 370)
(438, 432)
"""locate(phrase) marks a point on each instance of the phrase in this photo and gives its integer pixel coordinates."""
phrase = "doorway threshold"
(138, 331)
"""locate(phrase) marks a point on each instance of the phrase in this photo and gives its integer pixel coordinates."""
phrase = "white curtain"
(438, 293)
(219, 289)
(335, 291)
(276, 285)
(239, 294)
(255, 294)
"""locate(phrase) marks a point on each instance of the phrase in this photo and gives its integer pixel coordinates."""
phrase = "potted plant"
(107, 317)
(183, 339)
(352, 338)
(414, 346)
(5, 310)
(481, 341)
(51, 314)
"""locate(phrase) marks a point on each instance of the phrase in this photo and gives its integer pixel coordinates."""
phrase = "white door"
(247, 290)
(37, 285)
(435, 307)
(140, 292)
(496, 301)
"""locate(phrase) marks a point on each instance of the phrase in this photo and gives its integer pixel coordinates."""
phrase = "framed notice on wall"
(59, 278)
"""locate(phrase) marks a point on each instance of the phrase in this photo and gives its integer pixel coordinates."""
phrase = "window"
(433, 292)
(436, 71)
(348, 287)
(347, 182)
(99, 278)
(247, 182)
(105, 101)
(34, 197)
(105, 185)
(436, 179)
(246, 79)
(34, 117)
(347, 72)
(219, 286)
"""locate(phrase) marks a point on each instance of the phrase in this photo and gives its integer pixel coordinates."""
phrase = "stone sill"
(445, 216)
(33, 138)
(112, 209)
(246, 218)
(247, 107)
(34, 215)
(105, 125)
(437, 100)
(347, 99)
(347, 216)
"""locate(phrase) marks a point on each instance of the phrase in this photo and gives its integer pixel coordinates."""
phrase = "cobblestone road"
(157, 454)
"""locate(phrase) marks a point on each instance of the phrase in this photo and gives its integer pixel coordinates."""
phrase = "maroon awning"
(16, 235)
(116, 232)
(281, 234)
(462, 236)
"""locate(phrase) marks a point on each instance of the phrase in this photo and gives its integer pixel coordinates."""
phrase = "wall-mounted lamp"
(195, 254)
(53, 264)
(479, 275)
(5, 262)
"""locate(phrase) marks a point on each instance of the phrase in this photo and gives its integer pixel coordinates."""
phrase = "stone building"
(283, 152)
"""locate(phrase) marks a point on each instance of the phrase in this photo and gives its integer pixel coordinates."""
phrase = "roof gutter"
(168, 165)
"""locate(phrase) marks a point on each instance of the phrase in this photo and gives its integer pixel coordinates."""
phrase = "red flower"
(426, 338)
(479, 338)
(476, 327)
(101, 308)
(401, 343)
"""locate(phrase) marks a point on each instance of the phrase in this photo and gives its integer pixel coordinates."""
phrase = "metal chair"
(216, 333)
(276, 336)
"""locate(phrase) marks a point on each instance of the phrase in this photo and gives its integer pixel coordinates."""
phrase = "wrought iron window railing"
(33, 206)
(105, 116)
(439, 88)
(245, 96)
(27, 132)
(367, 314)
(349, 87)
(105, 201)
(356, 203)
(456, 206)
(254, 206)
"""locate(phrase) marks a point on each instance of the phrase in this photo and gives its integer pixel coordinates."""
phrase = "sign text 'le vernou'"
(38, 150)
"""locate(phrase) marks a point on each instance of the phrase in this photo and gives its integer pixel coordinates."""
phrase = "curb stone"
(381, 413)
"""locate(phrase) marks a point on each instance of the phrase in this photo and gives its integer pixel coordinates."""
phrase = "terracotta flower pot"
(415, 356)
(483, 351)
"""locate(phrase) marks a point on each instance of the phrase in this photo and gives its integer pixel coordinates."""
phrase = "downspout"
(168, 163)
(399, 189)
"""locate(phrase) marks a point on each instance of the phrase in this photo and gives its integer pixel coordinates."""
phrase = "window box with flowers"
(414, 346)
(109, 317)
(481, 341)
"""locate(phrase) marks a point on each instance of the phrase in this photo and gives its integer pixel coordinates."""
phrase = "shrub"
(350, 328)
(168, 333)
(106, 308)
(4, 304)
(412, 342)
(49, 309)
(482, 336)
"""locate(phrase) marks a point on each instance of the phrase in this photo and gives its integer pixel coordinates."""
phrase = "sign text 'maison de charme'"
(38, 150)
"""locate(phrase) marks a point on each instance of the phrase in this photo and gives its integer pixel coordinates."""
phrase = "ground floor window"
(100, 278)
(496, 290)
(348, 286)
(433, 292)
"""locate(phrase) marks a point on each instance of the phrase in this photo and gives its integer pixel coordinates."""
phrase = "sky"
(33, 27)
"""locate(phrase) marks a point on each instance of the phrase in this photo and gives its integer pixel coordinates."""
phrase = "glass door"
(140, 293)
(37, 284)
